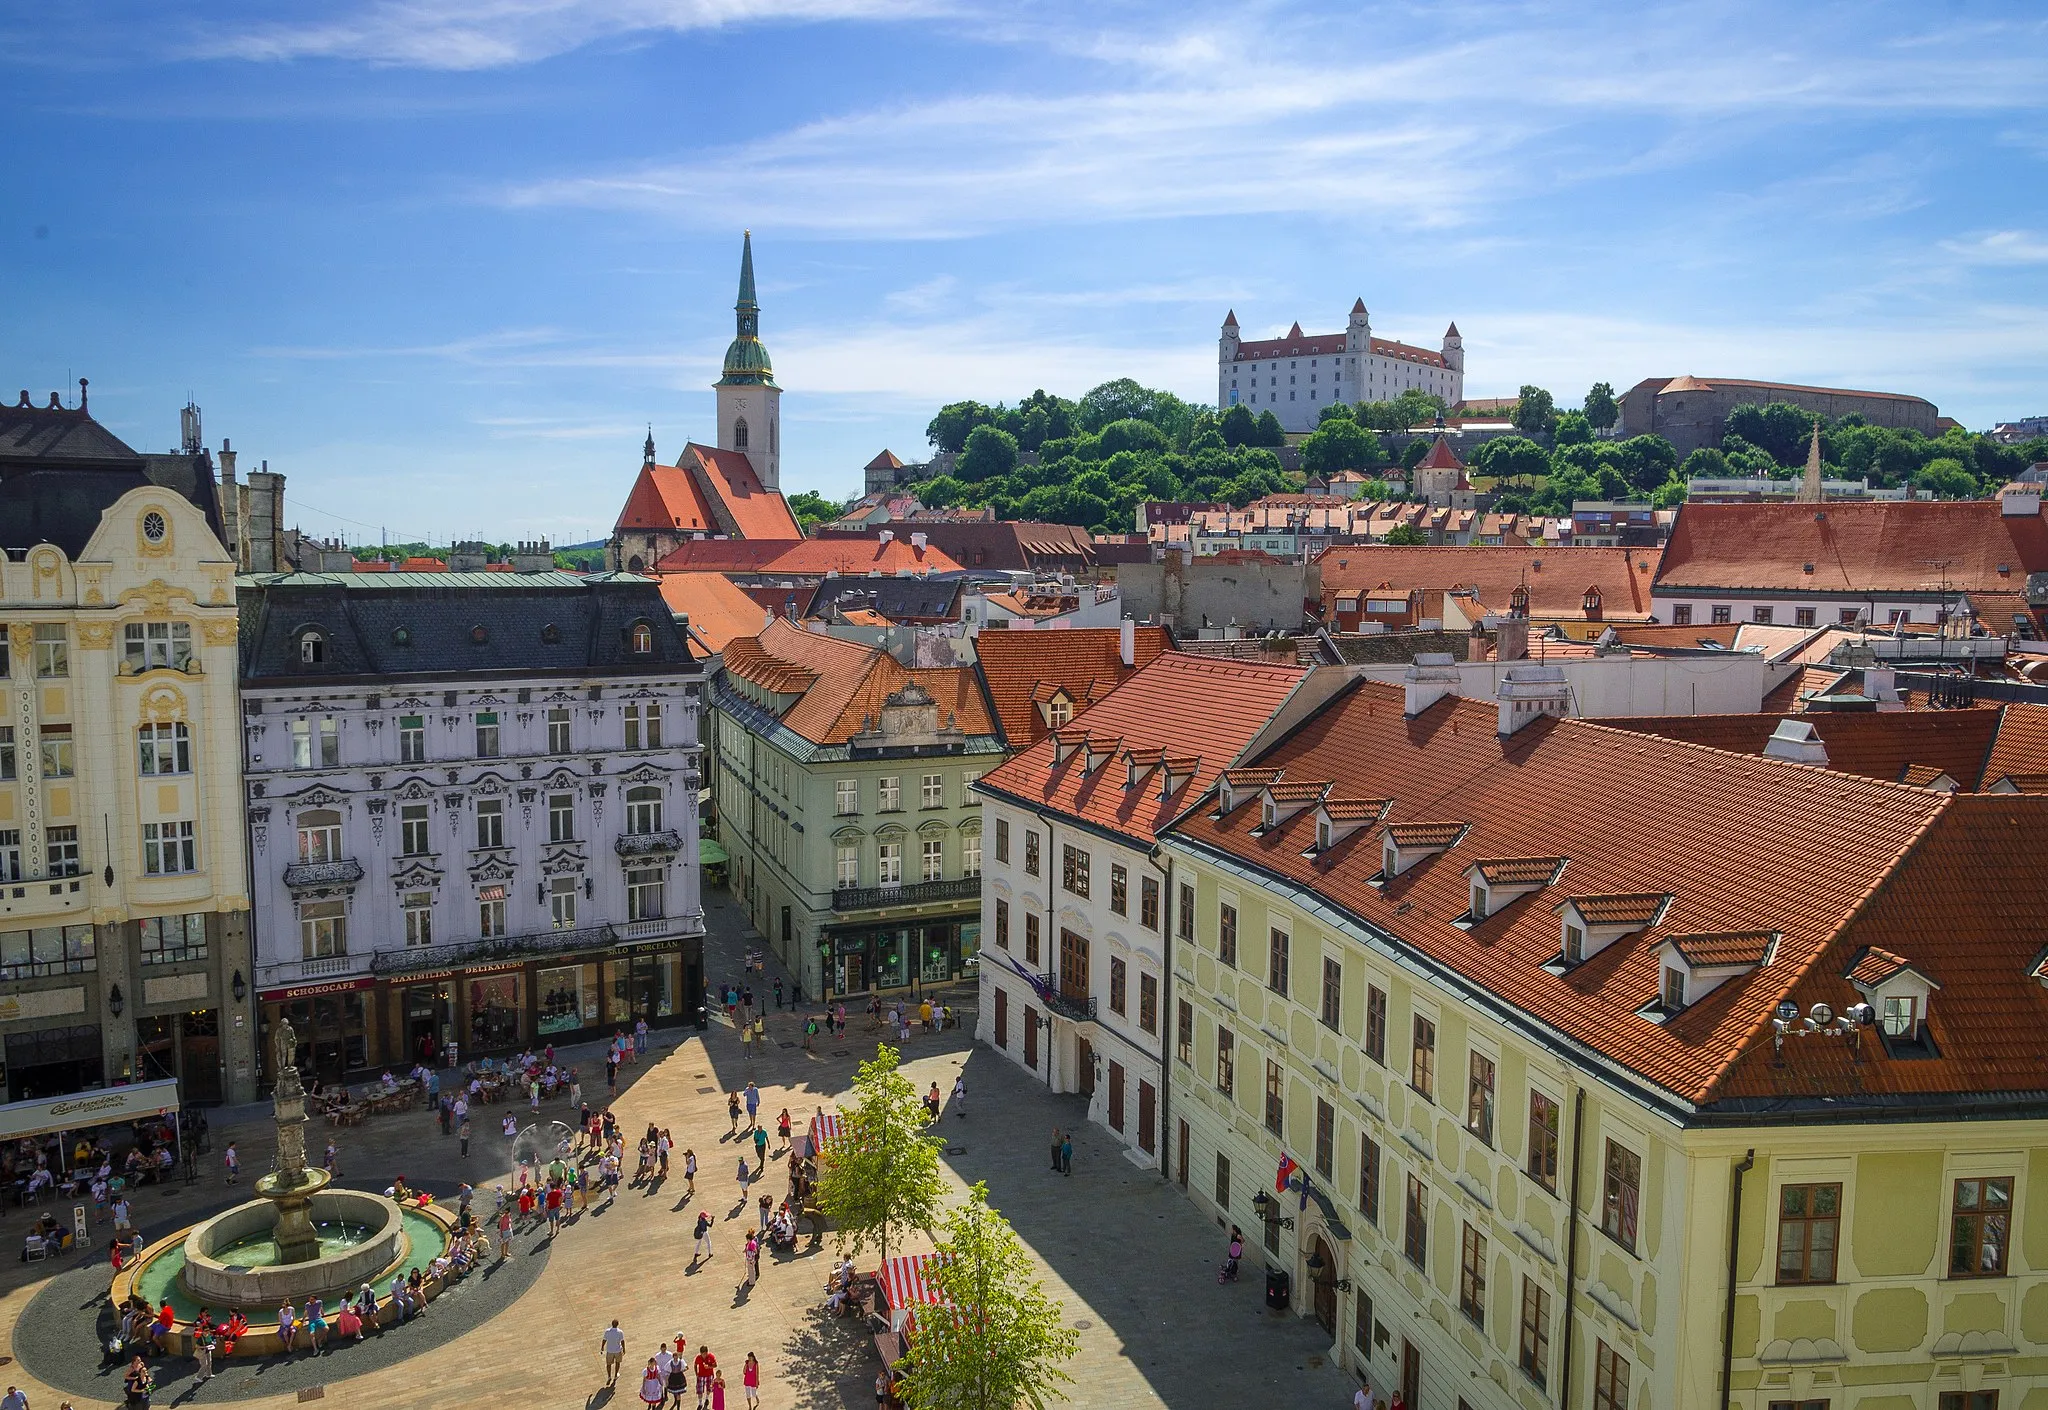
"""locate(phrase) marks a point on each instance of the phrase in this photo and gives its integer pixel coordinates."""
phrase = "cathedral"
(730, 490)
(1297, 375)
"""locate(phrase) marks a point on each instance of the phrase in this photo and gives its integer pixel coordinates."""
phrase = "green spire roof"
(746, 361)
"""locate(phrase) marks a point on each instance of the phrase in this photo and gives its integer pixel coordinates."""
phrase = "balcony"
(308, 971)
(1081, 1010)
(648, 844)
(311, 876)
(497, 947)
(916, 893)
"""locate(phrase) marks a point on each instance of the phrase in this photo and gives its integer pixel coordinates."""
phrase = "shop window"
(561, 998)
(496, 1008)
(51, 950)
(173, 939)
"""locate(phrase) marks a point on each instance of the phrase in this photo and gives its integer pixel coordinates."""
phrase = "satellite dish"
(1861, 1013)
(1787, 1010)
(1822, 1015)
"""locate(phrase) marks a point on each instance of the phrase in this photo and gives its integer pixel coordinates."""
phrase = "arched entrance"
(1324, 1280)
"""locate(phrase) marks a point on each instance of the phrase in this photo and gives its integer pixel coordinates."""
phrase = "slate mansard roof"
(416, 625)
(60, 470)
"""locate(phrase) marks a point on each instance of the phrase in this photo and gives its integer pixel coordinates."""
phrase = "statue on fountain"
(291, 1186)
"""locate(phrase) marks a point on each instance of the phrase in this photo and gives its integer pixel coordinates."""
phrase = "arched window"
(320, 835)
(643, 639)
(635, 563)
(739, 434)
(312, 647)
(643, 809)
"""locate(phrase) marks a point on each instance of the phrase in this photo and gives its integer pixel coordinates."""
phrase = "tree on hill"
(1535, 411)
(1510, 458)
(1602, 410)
(1340, 443)
(882, 1174)
(1268, 432)
(1406, 536)
(948, 430)
(1240, 427)
(812, 509)
(998, 1340)
(988, 453)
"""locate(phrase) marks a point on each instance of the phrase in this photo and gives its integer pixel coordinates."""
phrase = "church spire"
(1810, 491)
(746, 361)
(746, 303)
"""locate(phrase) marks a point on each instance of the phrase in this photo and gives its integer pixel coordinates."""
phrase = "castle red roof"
(1852, 547)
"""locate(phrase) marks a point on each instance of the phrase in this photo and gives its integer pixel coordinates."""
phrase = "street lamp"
(1263, 1205)
(115, 1003)
(240, 987)
(1316, 1268)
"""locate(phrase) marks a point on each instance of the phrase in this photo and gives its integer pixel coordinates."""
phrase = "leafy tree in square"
(882, 1174)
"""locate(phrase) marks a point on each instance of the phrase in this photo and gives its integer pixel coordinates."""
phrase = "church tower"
(749, 402)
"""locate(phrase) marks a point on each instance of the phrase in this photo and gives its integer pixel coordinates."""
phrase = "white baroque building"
(1298, 374)
(472, 806)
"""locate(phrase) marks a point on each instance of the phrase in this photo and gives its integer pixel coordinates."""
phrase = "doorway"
(1325, 1286)
(1031, 1037)
(1084, 1052)
(1411, 1372)
(199, 1076)
(1116, 1097)
(1147, 1099)
(852, 977)
(1181, 1160)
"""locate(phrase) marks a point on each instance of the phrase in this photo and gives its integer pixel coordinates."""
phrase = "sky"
(443, 262)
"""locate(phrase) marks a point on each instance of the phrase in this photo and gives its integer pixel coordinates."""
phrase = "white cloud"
(2001, 247)
(487, 34)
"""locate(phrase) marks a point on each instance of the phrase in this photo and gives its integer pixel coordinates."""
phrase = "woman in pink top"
(750, 1381)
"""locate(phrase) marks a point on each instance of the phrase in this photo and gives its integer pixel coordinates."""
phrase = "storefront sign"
(429, 977)
(495, 968)
(88, 1109)
(307, 991)
(41, 1003)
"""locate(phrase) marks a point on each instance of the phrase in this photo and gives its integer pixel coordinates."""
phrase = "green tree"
(989, 452)
(998, 1341)
(1340, 443)
(1269, 433)
(1705, 461)
(883, 1172)
(949, 429)
(1777, 428)
(1535, 410)
(1413, 453)
(1670, 494)
(1573, 430)
(1602, 410)
(1132, 434)
(1406, 536)
(943, 492)
(1510, 458)
(1240, 427)
(1947, 477)
(812, 509)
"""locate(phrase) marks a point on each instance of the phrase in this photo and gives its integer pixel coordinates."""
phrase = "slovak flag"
(1285, 1173)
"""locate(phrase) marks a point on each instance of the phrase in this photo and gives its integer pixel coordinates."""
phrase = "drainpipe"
(1742, 1168)
(1571, 1252)
(1051, 941)
(1165, 1008)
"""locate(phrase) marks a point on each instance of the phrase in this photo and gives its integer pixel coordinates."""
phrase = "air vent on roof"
(1796, 742)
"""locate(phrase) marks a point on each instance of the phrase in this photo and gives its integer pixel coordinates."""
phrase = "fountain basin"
(221, 1274)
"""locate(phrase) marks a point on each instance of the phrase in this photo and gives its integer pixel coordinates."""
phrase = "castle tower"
(1358, 330)
(749, 402)
(1226, 355)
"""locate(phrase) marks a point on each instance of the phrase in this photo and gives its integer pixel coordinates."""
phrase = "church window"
(739, 434)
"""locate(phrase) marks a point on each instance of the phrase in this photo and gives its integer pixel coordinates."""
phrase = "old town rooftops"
(1741, 846)
(1193, 713)
(831, 690)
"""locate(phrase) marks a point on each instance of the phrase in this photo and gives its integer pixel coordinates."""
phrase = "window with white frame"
(57, 751)
(418, 909)
(561, 817)
(145, 646)
(412, 739)
(562, 902)
(323, 929)
(932, 792)
(487, 734)
(413, 837)
(53, 652)
(846, 797)
(644, 893)
(10, 854)
(889, 863)
(558, 729)
(164, 749)
(846, 865)
(490, 822)
(970, 854)
(643, 809)
(889, 792)
(490, 912)
(320, 835)
(60, 851)
(316, 742)
(934, 859)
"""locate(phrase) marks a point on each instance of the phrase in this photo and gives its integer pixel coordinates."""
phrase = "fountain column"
(291, 1186)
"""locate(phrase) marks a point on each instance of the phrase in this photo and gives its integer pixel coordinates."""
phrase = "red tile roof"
(1875, 965)
(709, 555)
(1856, 548)
(1441, 457)
(843, 684)
(2021, 746)
(1204, 710)
(1731, 947)
(1022, 667)
(1557, 578)
(1426, 834)
(718, 611)
(678, 498)
(1619, 908)
(1875, 744)
(1741, 844)
(1519, 871)
(1356, 809)
(851, 556)
(1299, 344)
(760, 513)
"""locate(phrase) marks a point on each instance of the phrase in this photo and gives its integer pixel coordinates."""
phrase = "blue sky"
(441, 263)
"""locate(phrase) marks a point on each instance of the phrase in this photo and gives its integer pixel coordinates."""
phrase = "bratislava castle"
(1297, 375)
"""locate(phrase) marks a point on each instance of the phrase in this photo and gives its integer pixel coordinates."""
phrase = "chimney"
(1796, 742)
(1432, 676)
(917, 541)
(231, 507)
(887, 536)
(1528, 693)
(1127, 642)
(1511, 638)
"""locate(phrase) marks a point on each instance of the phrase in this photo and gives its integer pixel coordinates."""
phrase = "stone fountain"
(291, 1187)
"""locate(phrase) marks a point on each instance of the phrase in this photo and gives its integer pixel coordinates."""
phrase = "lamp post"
(1263, 1205)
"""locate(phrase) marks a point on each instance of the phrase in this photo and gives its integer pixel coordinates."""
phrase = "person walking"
(678, 1378)
(960, 1096)
(810, 1035)
(614, 1344)
(753, 1096)
(14, 1399)
(1055, 1150)
(510, 1127)
(462, 1133)
(689, 1173)
(718, 1390)
(750, 1374)
(931, 1103)
(761, 1148)
(706, 1367)
(202, 1352)
(778, 991)
(753, 1251)
(444, 1109)
(653, 1388)
(233, 1161)
(703, 1250)
(742, 1177)
(732, 1112)
(782, 1128)
(1067, 1154)
(747, 1042)
(611, 1074)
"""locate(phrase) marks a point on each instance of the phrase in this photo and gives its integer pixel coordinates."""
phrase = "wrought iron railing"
(343, 873)
(647, 844)
(1081, 1010)
(497, 947)
(916, 893)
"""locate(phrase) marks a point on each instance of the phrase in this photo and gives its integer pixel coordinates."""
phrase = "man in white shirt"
(1363, 1400)
(614, 1352)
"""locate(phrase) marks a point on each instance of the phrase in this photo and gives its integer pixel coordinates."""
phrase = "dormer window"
(1238, 784)
(1282, 799)
(1410, 843)
(1390, 861)
(1322, 834)
(1098, 752)
(312, 647)
(1059, 712)
(643, 639)
(1898, 1017)
(1592, 923)
(1674, 989)
(1269, 816)
(1574, 943)
(1477, 909)
(1065, 745)
(1900, 992)
(1703, 963)
(1503, 879)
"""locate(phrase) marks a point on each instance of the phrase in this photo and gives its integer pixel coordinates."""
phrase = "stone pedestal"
(297, 1241)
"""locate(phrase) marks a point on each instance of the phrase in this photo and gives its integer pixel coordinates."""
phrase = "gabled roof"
(1557, 578)
(718, 610)
(2021, 746)
(843, 684)
(1426, 834)
(1725, 949)
(1086, 662)
(1200, 711)
(1856, 548)
(1878, 744)
(1875, 965)
(723, 555)
(1740, 844)
(1619, 907)
(1441, 456)
(1518, 871)
(885, 461)
(707, 491)
(858, 556)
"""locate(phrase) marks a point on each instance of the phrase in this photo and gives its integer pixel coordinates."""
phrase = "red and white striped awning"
(904, 1286)
(825, 1129)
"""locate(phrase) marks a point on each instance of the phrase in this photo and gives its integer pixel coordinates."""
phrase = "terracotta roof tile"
(1875, 965)
(1085, 662)
(1303, 790)
(1619, 907)
(1426, 834)
(1174, 701)
(1518, 871)
(2022, 743)
(843, 684)
(1725, 948)
(1557, 578)
(1875, 744)
(718, 611)
(857, 556)
(2017, 783)
(1368, 810)
(1854, 547)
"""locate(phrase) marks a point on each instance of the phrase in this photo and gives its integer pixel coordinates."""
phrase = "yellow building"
(123, 905)
(1547, 1030)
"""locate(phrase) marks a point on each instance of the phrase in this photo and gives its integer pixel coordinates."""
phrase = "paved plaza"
(1132, 1261)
